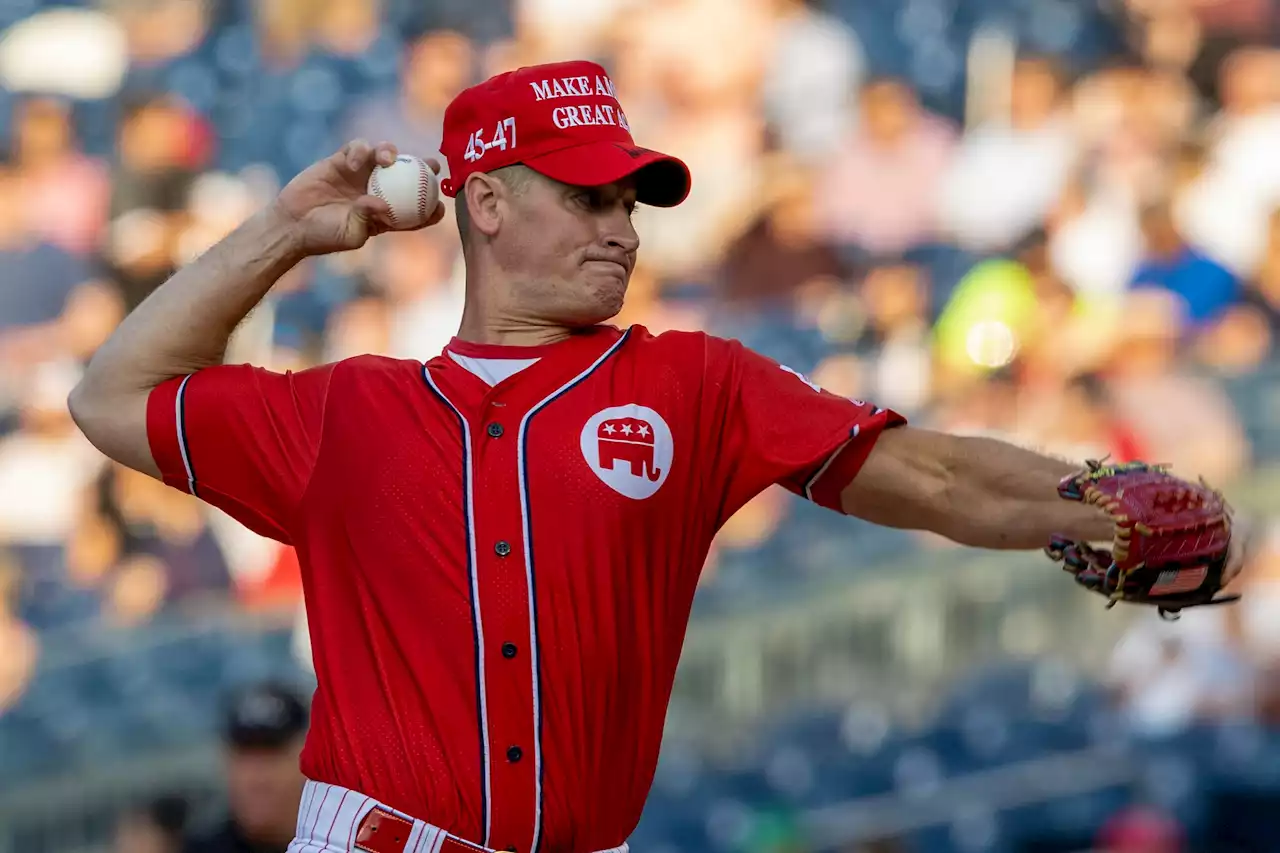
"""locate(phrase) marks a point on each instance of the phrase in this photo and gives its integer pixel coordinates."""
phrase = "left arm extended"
(974, 491)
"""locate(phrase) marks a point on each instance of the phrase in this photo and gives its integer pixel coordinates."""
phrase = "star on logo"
(644, 430)
(626, 429)
(609, 429)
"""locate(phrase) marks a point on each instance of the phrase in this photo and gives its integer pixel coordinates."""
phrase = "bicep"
(904, 482)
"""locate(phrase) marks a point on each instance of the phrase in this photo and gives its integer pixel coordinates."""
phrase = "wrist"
(1083, 522)
(283, 232)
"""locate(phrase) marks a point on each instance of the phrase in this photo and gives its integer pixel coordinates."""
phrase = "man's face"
(439, 68)
(569, 251)
(1034, 95)
(1159, 229)
(264, 788)
(887, 110)
(43, 129)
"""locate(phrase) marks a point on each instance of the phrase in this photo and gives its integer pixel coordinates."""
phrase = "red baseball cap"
(562, 120)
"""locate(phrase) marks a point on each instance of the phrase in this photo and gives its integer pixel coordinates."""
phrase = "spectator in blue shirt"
(1206, 287)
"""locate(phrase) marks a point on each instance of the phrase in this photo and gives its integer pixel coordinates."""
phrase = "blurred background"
(1056, 221)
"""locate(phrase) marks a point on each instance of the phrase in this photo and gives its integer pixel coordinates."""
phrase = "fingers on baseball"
(436, 216)
(376, 212)
(358, 158)
(434, 164)
(385, 153)
(354, 156)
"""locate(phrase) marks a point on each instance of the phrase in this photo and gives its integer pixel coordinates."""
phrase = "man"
(500, 547)
(1206, 290)
(265, 727)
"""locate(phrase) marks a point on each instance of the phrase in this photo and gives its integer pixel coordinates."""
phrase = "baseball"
(410, 187)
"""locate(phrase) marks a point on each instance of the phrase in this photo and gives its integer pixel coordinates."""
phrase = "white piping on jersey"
(180, 418)
(475, 603)
(528, 566)
(808, 487)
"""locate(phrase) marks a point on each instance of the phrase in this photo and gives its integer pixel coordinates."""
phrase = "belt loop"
(418, 839)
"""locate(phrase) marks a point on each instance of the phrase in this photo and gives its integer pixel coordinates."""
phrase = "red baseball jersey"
(499, 579)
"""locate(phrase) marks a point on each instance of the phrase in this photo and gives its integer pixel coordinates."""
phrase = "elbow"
(78, 403)
(85, 406)
(93, 408)
(114, 423)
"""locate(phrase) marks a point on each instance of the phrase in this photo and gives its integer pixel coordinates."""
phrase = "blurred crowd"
(1056, 221)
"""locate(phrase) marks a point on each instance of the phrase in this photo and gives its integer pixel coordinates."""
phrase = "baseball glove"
(1170, 543)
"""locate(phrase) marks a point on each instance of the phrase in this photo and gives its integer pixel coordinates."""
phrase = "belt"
(382, 831)
(332, 818)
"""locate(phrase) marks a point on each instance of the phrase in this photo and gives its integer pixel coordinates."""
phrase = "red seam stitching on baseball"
(377, 191)
(423, 178)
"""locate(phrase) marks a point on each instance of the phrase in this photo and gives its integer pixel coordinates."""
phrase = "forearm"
(1002, 496)
(180, 328)
(185, 324)
(975, 491)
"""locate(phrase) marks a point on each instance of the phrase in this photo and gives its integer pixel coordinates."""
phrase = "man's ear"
(482, 193)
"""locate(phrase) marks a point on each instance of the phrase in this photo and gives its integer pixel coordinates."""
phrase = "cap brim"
(661, 180)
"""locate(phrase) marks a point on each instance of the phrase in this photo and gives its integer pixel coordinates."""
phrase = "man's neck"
(477, 329)
(486, 320)
(1168, 251)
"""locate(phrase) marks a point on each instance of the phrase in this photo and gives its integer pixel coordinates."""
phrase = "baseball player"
(500, 544)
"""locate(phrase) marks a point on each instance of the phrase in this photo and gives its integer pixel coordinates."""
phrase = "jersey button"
(514, 754)
(495, 430)
(508, 650)
(503, 548)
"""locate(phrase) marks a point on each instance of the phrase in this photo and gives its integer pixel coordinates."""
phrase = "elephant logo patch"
(629, 448)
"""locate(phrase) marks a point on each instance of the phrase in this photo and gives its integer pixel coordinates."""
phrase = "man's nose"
(620, 233)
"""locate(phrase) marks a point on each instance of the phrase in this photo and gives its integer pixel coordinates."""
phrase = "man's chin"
(587, 319)
(604, 303)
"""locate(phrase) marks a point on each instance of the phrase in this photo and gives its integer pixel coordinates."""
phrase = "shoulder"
(1211, 265)
(373, 368)
(358, 381)
(678, 346)
(687, 362)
